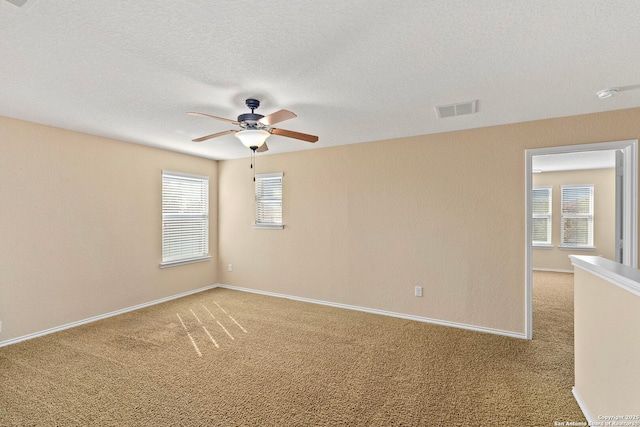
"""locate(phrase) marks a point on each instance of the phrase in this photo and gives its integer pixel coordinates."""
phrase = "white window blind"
(185, 218)
(541, 221)
(269, 200)
(576, 222)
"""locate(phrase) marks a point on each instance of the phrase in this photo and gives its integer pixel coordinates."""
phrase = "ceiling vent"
(460, 109)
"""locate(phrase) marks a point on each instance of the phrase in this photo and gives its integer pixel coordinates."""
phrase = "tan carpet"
(297, 364)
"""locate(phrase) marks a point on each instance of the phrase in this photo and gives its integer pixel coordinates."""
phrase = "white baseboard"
(583, 407)
(552, 270)
(103, 316)
(273, 294)
(382, 312)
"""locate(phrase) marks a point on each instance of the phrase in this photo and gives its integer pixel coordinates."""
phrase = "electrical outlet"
(418, 291)
(230, 267)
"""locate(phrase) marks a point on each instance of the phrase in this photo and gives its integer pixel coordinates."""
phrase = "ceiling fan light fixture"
(252, 137)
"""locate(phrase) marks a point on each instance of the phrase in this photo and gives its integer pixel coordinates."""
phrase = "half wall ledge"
(606, 344)
(620, 275)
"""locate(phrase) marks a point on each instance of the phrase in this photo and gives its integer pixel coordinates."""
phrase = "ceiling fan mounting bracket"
(252, 104)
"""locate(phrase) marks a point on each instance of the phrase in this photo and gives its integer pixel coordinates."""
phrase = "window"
(185, 218)
(541, 221)
(576, 221)
(269, 200)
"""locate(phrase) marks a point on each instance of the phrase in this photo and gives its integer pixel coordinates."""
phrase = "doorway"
(626, 207)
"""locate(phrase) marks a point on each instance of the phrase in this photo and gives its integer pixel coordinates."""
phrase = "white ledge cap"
(619, 274)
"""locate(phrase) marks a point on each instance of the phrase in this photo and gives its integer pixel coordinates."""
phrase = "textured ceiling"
(353, 71)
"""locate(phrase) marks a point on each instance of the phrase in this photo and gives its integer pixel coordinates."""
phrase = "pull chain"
(253, 157)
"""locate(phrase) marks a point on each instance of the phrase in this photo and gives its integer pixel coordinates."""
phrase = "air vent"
(460, 109)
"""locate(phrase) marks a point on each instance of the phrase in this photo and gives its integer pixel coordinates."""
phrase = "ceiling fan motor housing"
(250, 119)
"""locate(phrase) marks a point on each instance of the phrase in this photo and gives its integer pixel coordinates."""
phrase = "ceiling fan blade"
(262, 148)
(214, 135)
(193, 113)
(277, 117)
(296, 135)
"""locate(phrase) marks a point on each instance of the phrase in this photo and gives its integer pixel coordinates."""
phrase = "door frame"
(629, 214)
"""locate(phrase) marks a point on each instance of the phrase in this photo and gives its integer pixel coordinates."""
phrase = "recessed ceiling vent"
(460, 109)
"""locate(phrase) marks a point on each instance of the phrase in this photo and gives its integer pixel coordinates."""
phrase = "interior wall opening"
(617, 230)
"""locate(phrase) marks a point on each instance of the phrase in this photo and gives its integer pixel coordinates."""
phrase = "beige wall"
(81, 227)
(604, 222)
(365, 223)
(607, 371)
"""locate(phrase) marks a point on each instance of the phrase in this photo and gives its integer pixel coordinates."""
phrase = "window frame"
(589, 216)
(258, 221)
(548, 216)
(169, 215)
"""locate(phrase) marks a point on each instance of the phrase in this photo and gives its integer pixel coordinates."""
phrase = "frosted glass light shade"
(252, 137)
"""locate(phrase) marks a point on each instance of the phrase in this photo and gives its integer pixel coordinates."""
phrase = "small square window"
(269, 200)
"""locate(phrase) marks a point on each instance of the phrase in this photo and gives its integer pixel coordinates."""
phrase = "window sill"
(542, 246)
(269, 226)
(184, 261)
(577, 248)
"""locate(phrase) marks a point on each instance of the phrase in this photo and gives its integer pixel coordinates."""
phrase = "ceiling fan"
(256, 128)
